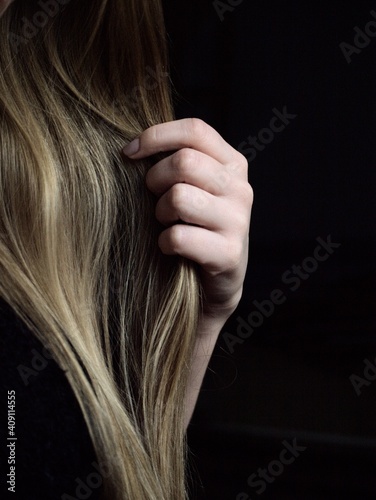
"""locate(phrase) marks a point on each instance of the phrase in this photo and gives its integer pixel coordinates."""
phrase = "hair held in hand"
(79, 255)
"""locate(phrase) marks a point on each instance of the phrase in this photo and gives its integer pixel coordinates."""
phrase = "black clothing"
(53, 451)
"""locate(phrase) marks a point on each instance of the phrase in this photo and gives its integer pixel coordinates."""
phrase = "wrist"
(221, 311)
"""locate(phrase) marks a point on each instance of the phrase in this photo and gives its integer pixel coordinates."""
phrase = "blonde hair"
(79, 258)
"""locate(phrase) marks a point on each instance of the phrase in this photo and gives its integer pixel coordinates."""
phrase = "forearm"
(209, 329)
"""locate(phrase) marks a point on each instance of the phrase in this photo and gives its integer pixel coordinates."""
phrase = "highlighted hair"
(79, 258)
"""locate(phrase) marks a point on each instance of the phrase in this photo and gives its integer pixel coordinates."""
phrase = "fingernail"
(132, 148)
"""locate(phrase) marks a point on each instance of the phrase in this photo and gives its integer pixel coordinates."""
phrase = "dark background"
(291, 378)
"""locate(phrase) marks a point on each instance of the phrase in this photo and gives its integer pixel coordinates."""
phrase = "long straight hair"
(79, 258)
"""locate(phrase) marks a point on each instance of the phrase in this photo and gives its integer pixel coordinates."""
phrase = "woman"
(124, 262)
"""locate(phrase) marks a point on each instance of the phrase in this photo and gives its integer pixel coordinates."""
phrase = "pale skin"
(203, 182)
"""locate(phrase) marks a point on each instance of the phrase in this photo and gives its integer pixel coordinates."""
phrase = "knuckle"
(178, 196)
(243, 223)
(174, 238)
(242, 160)
(151, 136)
(234, 254)
(197, 128)
(244, 195)
(248, 194)
(183, 160)
(239, 164)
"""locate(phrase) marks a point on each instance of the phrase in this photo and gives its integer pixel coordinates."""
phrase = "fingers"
(178, 134)
(216, 253)
(199, 208)
(209, 249)
(193, 206)
(203, 183)
(191, 167)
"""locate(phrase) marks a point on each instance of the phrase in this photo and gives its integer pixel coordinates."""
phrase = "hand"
(4, 4)
(205, 184)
